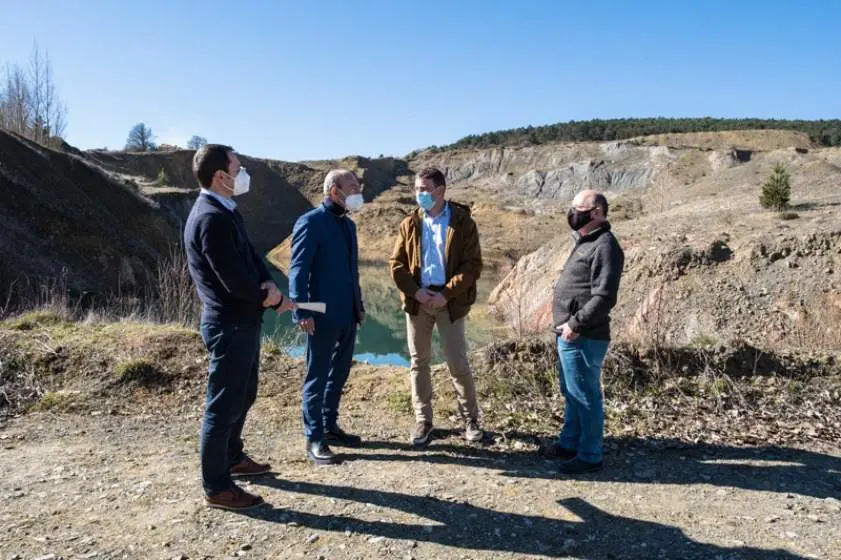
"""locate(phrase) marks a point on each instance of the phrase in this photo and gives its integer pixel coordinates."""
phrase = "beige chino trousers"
(419, 331)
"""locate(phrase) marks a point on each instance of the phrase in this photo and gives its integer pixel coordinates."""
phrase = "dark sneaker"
(555, 451)
(338, 436)
(235, 499)
(577, 466)
(248, 467)
(319, 453)
(472, 432)
(421, 434)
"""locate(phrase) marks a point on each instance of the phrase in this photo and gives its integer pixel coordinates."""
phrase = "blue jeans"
(580, 372)
(329, 356)
(234, 361)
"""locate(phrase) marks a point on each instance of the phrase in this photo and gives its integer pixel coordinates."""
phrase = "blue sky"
(323, 79)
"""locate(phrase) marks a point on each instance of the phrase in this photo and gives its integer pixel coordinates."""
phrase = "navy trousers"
(329, 356)
(234, 361)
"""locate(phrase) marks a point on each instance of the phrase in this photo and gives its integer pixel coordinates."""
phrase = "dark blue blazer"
(225, 268)
(324, 266)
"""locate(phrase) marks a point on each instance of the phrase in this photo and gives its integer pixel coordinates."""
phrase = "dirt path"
(106, 486)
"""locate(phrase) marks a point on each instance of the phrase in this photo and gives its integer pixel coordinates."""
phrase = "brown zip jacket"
(462, 257)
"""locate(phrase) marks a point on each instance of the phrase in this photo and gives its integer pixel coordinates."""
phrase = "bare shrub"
(170, 298)
(175, 294)
(19, 383)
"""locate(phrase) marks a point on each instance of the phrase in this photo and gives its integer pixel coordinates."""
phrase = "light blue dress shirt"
(433, 271)
(228, 203)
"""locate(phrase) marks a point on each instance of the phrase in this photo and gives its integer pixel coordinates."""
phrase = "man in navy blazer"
(235, 289)
(324, 267)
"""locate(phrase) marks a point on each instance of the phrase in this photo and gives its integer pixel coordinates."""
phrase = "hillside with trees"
(823, 132)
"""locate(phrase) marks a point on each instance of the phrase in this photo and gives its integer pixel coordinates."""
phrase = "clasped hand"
(567, 333)
(435, 300)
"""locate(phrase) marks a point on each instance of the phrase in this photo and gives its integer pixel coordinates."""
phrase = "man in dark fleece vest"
(235, 288)
(585, 293)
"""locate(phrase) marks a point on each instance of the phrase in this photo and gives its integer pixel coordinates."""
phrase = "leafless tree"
(140, 139)
(15, 104)
(196, 142)
(48, 113)
(29, 104)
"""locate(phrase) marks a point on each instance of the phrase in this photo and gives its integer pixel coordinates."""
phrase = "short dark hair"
(434, 175)
(601, 200)
(209, 159)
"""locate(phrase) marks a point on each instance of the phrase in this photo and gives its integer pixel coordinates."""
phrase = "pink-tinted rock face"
(706, 264)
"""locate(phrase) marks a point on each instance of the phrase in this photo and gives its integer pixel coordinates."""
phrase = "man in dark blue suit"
(324, 268)
(235, 289)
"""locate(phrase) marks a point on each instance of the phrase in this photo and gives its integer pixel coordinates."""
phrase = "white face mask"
(354, 202)
(242, 182)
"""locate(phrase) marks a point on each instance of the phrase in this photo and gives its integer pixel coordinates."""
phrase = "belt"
(436, 288)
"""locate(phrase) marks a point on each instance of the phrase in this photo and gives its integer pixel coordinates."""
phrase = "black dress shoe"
(320, 454)
(577, 466)
(338, 436)
(555, 451)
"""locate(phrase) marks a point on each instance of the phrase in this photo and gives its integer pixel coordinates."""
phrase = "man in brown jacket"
(435, 264)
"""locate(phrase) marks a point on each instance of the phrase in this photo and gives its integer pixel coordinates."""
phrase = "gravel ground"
(126, 486)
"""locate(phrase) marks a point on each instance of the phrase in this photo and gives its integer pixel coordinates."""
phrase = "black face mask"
(577, 219)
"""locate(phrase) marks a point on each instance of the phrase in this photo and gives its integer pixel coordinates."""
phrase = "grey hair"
(333, 177)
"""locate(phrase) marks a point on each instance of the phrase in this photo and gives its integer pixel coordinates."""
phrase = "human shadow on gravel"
(598, 534)
(784, 470)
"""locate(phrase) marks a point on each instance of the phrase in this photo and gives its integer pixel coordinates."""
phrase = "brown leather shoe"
(235, 499)
(247, 467)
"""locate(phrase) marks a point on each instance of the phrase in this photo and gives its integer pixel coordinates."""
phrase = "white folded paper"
(317, 306)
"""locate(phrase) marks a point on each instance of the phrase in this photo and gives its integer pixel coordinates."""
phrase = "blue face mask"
(425, 200)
